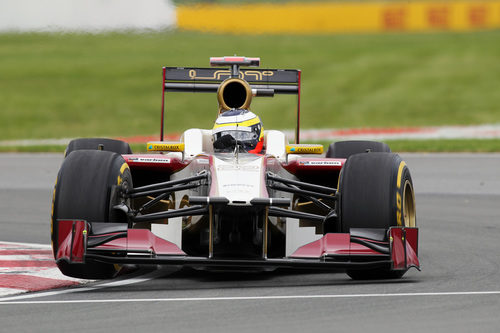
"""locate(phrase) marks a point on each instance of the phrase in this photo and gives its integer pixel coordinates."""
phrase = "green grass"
(81, 85)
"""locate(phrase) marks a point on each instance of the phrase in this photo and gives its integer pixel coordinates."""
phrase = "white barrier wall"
(85, 15)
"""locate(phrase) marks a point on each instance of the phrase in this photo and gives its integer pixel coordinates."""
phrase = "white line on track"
(124, 282)
(249, 298)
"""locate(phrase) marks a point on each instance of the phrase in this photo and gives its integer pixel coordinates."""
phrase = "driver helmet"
(244, 126)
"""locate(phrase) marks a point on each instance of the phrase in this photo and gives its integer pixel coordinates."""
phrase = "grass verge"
(84, 85)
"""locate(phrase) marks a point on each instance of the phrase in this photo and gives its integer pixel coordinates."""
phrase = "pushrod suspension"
(166, 184)
(303, 192)
(188, 211)
(308, 186)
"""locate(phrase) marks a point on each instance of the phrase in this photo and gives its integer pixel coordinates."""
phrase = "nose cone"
(240, 180)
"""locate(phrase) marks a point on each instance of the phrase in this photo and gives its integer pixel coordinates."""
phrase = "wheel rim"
(409, 212)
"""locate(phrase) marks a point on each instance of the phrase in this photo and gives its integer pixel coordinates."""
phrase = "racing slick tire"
(376, 191)
(115, 146)
(344, 149)
(83, 191)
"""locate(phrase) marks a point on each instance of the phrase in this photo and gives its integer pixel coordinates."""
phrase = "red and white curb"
(396, 133)
(30, 267)
(489, 131)
(403, 133)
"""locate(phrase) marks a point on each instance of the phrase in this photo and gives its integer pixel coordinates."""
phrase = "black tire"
(376, 191)
(115, 146)
(344, 149)
(83, 191)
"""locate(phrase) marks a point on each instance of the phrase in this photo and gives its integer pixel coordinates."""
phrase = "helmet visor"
(240, 135)
(244, 139)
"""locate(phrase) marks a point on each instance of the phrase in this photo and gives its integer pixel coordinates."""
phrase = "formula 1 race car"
(234, 197)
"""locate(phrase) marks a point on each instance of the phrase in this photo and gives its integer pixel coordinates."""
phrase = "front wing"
(117, 244)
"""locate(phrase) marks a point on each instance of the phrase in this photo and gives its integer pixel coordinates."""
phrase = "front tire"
(83, 191)
(376, 191)
(112, 145)
(344, 149)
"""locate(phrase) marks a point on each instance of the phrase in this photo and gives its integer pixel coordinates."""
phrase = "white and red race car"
(194, 204)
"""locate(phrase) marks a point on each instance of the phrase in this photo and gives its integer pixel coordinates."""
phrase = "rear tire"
(376, 191)
(83, 191)
(344, 149)
(115, 146)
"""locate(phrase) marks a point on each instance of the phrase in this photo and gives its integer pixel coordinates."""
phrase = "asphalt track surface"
(458, 289)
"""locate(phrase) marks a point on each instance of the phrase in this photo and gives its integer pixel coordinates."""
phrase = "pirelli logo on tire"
(398, 208)
(398, 194)
(405, 198)
(122, 170)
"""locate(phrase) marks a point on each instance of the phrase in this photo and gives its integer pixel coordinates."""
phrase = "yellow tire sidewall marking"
(122, 170)
(399, 203)
(124, 167)
(400, 173)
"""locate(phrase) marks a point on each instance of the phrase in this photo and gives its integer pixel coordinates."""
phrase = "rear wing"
(263, 82)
